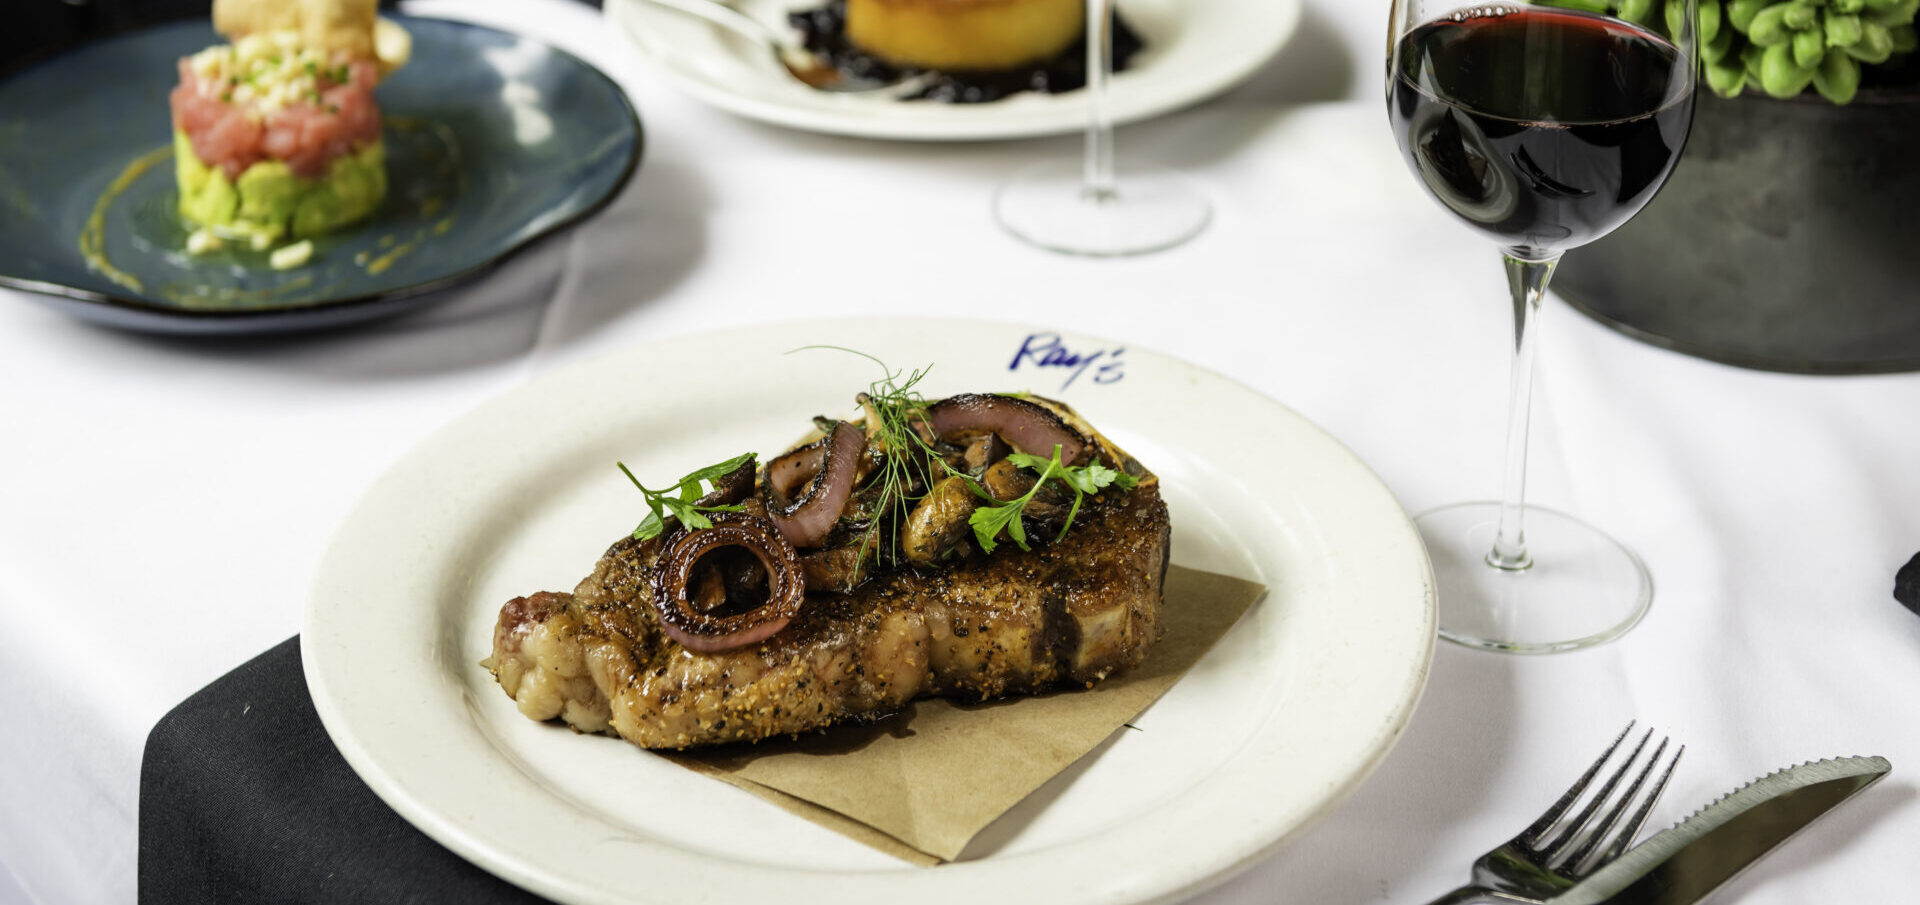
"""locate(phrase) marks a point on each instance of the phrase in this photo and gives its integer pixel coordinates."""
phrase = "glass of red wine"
(1544, 127)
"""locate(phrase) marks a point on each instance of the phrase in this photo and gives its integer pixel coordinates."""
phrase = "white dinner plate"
(1194, 50)
(1275, 726)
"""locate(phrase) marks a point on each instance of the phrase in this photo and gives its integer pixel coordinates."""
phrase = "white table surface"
(164, 501)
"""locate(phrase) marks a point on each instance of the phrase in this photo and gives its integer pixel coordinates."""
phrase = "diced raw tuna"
(235, 134)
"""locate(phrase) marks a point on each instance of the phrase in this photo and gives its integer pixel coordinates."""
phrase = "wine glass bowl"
(1543, 128)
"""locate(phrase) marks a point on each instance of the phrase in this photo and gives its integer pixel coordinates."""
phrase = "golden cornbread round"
(965, 34)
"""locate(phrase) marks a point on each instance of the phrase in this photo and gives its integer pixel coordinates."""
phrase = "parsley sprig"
(685, 506)
(989, 521)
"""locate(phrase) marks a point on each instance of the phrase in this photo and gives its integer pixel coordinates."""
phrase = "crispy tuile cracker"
(322, 24)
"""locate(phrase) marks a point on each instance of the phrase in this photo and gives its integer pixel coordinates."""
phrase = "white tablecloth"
(164, 501)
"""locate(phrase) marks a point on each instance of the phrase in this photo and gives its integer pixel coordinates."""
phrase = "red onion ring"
(788, 474)
(701, 632)
(1030, 428)
(806, 520)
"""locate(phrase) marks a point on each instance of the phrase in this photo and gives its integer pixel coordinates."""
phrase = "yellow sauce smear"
(380, 264)
(396, 249)
(448, 162)
(93, 236)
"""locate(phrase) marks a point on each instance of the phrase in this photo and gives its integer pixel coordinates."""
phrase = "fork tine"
(1576, 826)
(1626, 834)
(1531, 836)
(1603, 833)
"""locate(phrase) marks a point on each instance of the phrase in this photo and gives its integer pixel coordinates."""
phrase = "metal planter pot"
(1788, 239)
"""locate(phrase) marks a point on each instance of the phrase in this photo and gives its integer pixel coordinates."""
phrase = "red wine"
(1543, 128)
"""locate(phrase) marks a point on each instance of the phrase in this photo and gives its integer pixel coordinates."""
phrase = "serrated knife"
(1681, 865)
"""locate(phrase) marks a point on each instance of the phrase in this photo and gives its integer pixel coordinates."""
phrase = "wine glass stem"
(1527, 275)
(1097, 184)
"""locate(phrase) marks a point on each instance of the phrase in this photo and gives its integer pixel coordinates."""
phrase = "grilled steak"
(1015, 622)
(652, 646)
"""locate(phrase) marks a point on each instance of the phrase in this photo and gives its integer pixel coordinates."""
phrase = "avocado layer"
(269, 203)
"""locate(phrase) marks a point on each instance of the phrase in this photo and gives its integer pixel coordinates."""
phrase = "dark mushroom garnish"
(985, 450)
(938, 522)
(694, 613)
(837, 570)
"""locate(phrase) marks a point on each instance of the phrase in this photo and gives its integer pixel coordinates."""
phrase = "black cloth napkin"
(243, 798)
(1906, 585)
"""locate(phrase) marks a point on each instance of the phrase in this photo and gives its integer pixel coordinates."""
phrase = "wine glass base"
(1152, 210)
(1582, 589)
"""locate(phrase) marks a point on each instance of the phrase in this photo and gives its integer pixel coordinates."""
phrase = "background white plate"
(1195, 49)
(1276, 725)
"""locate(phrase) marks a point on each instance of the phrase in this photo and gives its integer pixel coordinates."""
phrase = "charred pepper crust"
(1030, 599)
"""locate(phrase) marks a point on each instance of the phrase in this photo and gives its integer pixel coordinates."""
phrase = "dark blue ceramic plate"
(493, 141)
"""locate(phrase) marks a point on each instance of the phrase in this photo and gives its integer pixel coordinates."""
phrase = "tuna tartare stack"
(277, 135)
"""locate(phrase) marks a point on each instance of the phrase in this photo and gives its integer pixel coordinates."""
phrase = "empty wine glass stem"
(1527, 276)
(1097, 185)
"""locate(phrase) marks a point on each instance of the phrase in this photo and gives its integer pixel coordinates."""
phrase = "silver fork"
(805, 66)
(1558, 850)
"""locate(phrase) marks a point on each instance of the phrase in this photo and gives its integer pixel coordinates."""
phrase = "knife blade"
(1684, 863)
